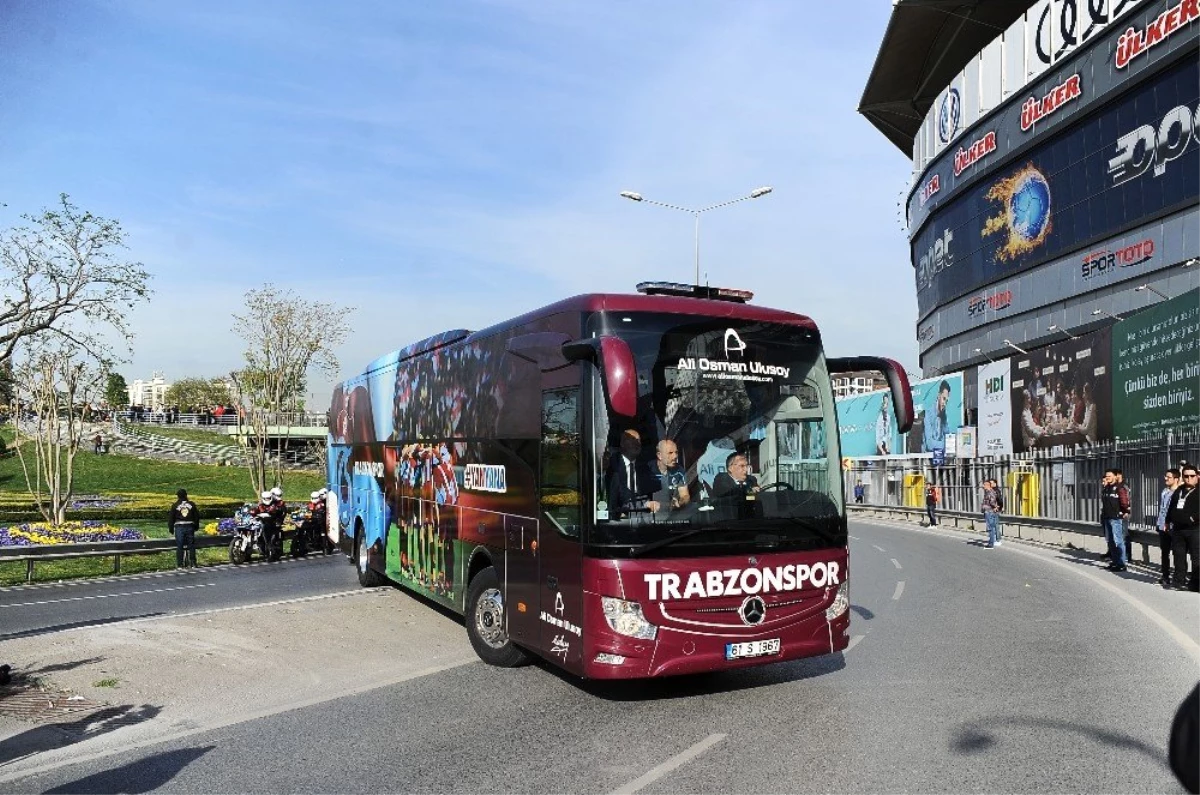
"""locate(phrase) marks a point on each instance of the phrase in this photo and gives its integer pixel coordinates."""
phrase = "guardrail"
(99, 549)
(1033, 528)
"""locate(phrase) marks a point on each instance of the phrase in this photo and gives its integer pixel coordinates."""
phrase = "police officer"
(184, 522)
(270, 512)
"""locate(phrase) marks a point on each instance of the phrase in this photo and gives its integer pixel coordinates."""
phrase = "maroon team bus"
(623, 485)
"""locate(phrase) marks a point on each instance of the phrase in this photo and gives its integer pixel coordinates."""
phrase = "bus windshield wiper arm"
(662, 542)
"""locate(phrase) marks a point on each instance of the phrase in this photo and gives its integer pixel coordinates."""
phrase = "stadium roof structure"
(926, 44)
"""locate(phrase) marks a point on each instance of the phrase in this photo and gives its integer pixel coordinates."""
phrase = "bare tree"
(57, 379)
(63, 265)
(288, 336)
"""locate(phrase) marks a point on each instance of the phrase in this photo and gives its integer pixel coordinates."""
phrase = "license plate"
(754, 648)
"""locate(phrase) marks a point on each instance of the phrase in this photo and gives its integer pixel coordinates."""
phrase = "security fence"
(1053, 484)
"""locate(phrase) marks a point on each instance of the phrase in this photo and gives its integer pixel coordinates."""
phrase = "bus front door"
(522, 596)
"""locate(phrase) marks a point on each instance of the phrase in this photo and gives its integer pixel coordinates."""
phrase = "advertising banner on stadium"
(1156, 364)
(1062, 394)
(995, 409)
(1127, 164)
(867, 425)
(938, 403)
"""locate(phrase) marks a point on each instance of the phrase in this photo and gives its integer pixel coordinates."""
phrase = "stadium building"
(1053, 212)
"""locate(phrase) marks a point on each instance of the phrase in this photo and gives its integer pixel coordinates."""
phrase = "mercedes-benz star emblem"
(753, 611)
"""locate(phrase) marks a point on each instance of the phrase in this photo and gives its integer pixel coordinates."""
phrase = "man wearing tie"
(630, 481)
(736, 486)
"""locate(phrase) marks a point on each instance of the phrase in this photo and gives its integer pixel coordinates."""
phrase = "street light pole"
(1055, 327)
(1015, 348)
(1096, 312)
(754, 194)
(1151, 289)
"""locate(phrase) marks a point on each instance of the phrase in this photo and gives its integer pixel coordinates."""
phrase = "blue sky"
(450, 164)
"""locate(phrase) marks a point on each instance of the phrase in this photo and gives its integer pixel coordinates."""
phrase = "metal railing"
(293, 419)
(47, 553)
(1059, 484)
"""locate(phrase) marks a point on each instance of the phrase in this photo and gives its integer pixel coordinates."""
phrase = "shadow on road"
(862, 611)
(61, 734)
(693, 685)
(973, 738)
(63, 666)
(29, 633)
(144, 775)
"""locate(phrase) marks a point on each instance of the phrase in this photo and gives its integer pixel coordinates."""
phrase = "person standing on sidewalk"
(1114, 509)
(1171, 479)
(1184, 519)
(931, 500)
(184, 522)
(991, 514)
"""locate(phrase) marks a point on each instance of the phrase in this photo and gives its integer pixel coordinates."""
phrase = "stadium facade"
(1053, 215)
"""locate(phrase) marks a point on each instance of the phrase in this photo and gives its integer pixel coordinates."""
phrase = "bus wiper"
(663, 542)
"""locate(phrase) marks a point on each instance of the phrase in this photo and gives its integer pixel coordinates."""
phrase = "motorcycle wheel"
(237, 555)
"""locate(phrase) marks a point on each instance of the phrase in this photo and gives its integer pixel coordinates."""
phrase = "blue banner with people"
(867, 426)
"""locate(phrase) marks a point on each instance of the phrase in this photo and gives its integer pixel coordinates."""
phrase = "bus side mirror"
(617, 369)
(896, 377)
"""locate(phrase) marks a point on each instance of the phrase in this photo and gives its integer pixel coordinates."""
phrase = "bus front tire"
(367, 576)
(485, 623)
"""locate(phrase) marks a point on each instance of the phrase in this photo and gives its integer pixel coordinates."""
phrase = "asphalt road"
(28, 610)
(1017, 669)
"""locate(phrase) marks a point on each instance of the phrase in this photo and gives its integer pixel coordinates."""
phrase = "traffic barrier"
(98, 549)
(1061, 532)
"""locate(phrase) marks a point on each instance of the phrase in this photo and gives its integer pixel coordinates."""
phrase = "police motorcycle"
(247, 535)
(310, 528)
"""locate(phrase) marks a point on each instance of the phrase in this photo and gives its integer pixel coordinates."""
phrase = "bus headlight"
(625, 618)
(841, 602)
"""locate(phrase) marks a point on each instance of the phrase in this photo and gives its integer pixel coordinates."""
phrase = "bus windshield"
(734, 446)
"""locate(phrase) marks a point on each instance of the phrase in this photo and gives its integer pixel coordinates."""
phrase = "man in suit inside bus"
(736, 488)
(631, 484)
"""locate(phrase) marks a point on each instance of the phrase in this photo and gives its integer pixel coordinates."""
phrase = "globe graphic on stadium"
(1029, 205)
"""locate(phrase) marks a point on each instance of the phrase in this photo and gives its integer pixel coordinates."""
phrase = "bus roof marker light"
(695, 291)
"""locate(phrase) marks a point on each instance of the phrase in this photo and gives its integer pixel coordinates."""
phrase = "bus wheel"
(367, 576)
(485, 622)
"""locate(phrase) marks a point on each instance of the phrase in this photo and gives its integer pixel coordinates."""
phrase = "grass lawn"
(114, 474)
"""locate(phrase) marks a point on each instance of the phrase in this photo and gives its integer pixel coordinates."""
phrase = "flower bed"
(38, 533)
(224, 527)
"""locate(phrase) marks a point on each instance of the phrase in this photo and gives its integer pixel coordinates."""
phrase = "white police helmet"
(278, 492)
(316, 495)
(268, 497)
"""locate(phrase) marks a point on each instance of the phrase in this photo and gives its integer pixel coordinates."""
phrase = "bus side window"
(558, 478)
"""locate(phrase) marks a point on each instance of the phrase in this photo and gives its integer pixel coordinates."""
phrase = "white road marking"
(1186, 643)
(899, 590)
(896, 563)
(671, 764)
(854, 639)
(109, 595)
(855, 538)
(881, 549)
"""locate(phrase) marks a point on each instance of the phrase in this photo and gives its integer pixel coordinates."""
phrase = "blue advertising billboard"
(867, 424)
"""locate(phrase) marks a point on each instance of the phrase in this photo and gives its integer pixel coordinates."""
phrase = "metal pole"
(697, 215)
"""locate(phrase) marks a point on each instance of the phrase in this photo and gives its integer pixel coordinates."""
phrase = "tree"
(198, 394)
(116, 391)
(63, 265)
(55, 378)
(7, 385)
(287, 337)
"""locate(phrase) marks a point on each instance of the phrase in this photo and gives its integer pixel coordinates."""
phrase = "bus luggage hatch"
(522, 596)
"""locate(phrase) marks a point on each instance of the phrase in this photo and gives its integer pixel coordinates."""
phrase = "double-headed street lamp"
(754, 194)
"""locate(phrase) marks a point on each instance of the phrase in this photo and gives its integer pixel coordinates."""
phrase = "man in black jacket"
(631, 484)
(184, 522)
(1183, 516)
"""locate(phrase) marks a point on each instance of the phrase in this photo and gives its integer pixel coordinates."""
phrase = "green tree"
(64, 264)
(197, 394)
(287, 335)
(116, 391)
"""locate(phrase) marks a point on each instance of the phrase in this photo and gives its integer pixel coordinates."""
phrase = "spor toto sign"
(741, 582)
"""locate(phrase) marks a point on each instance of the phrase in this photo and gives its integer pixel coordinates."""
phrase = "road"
(1019, 669)
(38, 609)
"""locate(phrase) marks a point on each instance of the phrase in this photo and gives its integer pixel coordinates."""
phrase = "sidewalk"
(1178, 612)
